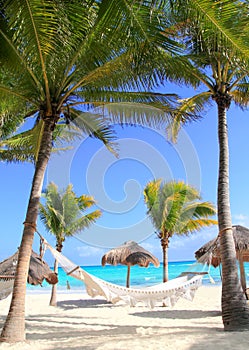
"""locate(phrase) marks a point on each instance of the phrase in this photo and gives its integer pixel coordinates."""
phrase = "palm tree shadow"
(179, 314)
(83, 303)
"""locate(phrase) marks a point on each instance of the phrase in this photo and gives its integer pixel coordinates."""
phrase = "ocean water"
(139, 277)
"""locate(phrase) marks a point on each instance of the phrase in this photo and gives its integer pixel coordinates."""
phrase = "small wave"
(149, 278)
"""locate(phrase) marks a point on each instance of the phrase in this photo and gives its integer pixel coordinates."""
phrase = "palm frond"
(152, 115)
(190, 109)
(176, 208)
(95, 126)
(11, 115)
(199, 209)
(62, 213)
(53, 197)
(24, 147)
(83, 223)
(52, 219)
(15, 92)
(224, 15)
(151, 193)
(85, 201)
(12, 58)
(35, 28)
(226, 18)
(240, 95)
(135, 22)
(195, 225)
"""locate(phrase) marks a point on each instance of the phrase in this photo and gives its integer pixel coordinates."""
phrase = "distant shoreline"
(139, 276)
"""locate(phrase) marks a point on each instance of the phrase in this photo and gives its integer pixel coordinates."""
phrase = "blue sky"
(117, 185)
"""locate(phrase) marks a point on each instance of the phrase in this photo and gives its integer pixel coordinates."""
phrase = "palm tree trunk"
(14, 327)
(242, 272)
(53, 299)
(164, 244)
(235, 311)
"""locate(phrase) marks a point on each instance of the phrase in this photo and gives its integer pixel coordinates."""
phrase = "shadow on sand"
(83, 303)
(179, 314)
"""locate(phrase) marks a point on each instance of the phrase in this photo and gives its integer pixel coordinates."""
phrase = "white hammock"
(168, 293)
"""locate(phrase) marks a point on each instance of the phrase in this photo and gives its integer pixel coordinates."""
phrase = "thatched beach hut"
(209, 253)
(130, 253)
(38, 271)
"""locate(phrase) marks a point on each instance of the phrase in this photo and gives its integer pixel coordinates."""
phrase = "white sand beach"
(80, 322)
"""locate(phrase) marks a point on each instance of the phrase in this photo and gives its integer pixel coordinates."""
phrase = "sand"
(80, 322)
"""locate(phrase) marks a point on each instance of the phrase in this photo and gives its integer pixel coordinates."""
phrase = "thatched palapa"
(38, 269)
(209, 253)
(130, 253)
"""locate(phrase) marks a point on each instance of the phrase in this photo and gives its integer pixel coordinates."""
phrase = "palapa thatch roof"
(8, 266)
(38, 269)
(130, 253)
(210, 252)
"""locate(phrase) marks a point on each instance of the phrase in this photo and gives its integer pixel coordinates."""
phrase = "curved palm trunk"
(14, 327)
(53, 299)
(235, 311)
(165, 244)
(242, 273)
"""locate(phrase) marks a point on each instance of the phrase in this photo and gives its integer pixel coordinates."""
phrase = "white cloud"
(206, 234)
(149, 246)
(209, 233)
(88, 251)
(177, 242)
(154, 247)
(241, 219)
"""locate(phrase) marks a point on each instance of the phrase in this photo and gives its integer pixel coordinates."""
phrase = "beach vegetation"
(222, 73)
(64, 215)
(11, 114)
(175, 208)
(63, 59)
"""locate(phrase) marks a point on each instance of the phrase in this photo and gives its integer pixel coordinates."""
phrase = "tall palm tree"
(63, 216)
(61, 55)
(223, 73)
(175, 208)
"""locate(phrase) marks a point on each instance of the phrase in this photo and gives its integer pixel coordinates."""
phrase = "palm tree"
(219, 67)
(59, 56)
(175, 208)
(63, 216)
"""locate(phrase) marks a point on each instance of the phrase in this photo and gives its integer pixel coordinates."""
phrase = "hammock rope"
(168, 293)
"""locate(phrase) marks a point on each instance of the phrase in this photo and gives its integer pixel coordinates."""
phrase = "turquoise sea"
(139, 277)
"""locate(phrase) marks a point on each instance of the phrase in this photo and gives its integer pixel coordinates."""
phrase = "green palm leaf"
(190, 109)
(228, 18)
(62, 214)
(24, 147)
(176, 208)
